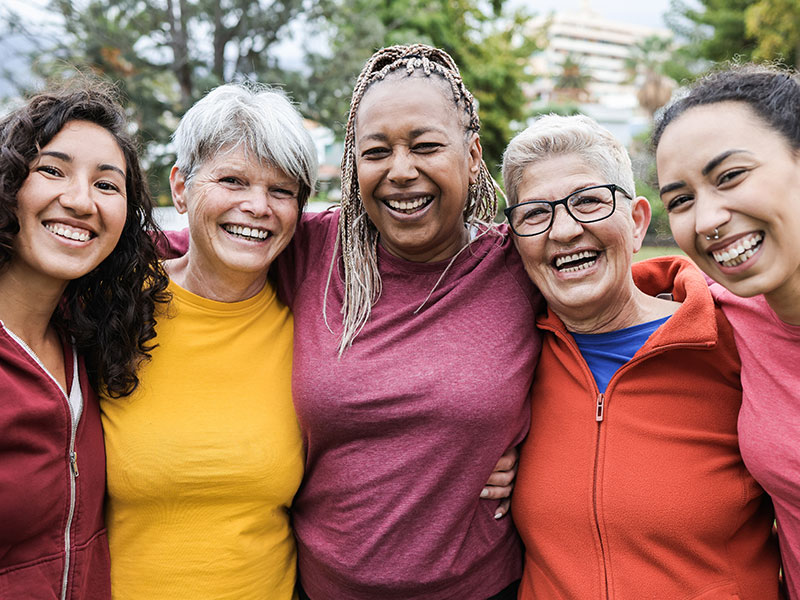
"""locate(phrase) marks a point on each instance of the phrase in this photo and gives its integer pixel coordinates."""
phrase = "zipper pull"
(598, 415)
(73, 462)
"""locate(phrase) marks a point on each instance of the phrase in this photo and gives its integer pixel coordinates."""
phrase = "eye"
(376, 152)
(230, 180)
(426, 147)
(107, 186)
(586, 200)
(283, 193)
(678, 202)
(50, 170)
(533, 213)
(731, 175)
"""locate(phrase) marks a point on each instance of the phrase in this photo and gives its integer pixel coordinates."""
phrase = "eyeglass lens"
(584, 206)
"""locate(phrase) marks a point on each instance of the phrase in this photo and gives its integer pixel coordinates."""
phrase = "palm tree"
(646, 66)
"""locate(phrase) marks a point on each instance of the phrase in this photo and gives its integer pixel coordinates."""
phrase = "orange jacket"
(640, 492)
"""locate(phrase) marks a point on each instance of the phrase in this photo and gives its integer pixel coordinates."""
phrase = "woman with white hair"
(205, 457)
(631, 484)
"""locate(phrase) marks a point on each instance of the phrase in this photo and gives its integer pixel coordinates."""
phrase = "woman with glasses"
(630, 483)
(728, 157)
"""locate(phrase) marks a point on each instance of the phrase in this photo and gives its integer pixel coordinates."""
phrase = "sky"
(643, 12)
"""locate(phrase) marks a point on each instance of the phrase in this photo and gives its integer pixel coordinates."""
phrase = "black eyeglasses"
(587, 205)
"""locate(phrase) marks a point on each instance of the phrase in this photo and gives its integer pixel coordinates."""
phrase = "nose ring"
(715, 236)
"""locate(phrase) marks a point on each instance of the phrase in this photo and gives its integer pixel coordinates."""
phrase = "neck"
(629, 308)
(446, 250)
(27, 304)
(207, 282)
(785, 301)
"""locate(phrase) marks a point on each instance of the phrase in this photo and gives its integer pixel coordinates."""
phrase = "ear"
(641, 213)
(177, 184)
(475, 153)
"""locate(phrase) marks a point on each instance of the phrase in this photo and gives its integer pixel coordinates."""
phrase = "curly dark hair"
(109, 312)
(772, 92)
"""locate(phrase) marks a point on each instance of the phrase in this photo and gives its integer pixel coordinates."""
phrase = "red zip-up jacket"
(53, 541)
(640, 492)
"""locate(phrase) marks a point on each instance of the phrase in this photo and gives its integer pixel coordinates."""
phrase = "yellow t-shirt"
(205, 457)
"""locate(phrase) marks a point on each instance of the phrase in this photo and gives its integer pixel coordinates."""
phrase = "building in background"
(590, 62)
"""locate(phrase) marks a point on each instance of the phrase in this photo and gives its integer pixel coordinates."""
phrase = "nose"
(709, 214)
(257, 202)
(77, 197)
(564, 227)
(402, 167)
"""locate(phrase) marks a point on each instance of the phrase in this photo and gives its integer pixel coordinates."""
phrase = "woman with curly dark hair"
(79, 281)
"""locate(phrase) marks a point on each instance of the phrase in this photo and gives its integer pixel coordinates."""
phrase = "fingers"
(501, 478)
(497, 492)
(502, 509)
(508, 461)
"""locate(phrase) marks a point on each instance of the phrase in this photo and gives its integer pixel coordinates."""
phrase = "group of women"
(353, 380)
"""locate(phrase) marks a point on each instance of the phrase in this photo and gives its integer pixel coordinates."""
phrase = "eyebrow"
(577, 189)
(714, 162)
(671, 186)
(710, 166)
(414, 133)
(68, 159)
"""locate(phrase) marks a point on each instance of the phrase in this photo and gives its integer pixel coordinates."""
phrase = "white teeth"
(732, 257)
(248, 232)
(573, 257)
(579, 267)
(409, 205)
(79, 235)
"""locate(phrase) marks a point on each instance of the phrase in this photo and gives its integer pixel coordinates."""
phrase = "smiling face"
(415, 162)
(72, 205)
(721, 167)
(242, 214)
(582, 269)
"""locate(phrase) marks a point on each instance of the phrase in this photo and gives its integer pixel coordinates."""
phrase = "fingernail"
(484, 493)
(498, 515)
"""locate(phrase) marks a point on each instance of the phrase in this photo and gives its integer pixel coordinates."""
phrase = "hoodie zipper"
(72, 465)
(601, 404)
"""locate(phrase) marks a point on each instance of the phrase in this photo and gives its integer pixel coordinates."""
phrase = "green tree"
(164, 54)
(775, 25)
(711, 31)
(572, 84)
(647, 66)
(488, 44)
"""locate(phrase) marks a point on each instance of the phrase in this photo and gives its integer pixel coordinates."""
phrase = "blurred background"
(616, 61)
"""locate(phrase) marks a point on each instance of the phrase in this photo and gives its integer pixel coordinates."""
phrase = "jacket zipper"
(598, 416)
(72, 466)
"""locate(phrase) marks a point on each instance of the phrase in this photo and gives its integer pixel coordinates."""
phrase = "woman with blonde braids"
(414, 350)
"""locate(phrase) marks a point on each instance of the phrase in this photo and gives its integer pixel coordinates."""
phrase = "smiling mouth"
(70, 233)
(740, 251)
(409, 207)
(579, 261)
(247, 233)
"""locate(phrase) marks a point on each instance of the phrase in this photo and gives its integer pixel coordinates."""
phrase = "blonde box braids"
(357, 235)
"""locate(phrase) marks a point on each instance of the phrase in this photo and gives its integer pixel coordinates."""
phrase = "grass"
(651, 251)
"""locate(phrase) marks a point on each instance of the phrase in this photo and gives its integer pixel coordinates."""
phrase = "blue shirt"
(607, 352)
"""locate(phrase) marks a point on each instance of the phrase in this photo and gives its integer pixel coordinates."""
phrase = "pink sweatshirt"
(403, 431)
(769, 421)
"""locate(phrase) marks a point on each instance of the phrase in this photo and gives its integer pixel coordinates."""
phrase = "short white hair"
(554, 135)
(255, 117)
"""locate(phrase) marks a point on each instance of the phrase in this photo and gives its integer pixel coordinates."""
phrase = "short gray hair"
(554, 135)
(252, 116)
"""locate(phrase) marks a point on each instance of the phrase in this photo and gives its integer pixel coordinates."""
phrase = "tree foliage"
(716, 31)
(488, 44)
(775, 25)
(713, 30)
(164, 54)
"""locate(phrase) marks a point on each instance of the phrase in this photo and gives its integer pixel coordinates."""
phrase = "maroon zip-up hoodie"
(52, 484)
